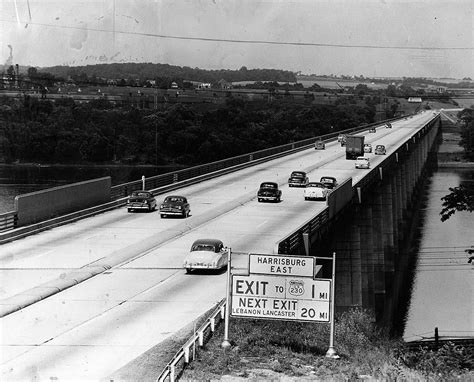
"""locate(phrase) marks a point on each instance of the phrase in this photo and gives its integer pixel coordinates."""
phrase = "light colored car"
(362, 162)
(316, 190)
(367, 148)
(206, 254)
(380, 150)
(340, 137)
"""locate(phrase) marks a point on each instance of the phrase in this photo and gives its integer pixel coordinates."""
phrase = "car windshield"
(380, 147)
(141, 194)
(268, 185)
(328, 180)
(170, 199)
(203, 247)
(318, 185)
(298, 174)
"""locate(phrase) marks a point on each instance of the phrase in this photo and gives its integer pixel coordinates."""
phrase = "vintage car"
(141, 200)
(319, 145)
(329, 181)
(206, 254)
(367, 148)
(175, 205)
(380, 150)
(372, 130)
(388, 125)
(269, 192)
(340, 137)
(298, 179)
(316, 190)
(343, 140)
(362, 162)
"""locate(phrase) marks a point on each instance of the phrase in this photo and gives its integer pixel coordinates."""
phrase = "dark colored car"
(380, 150)
(329, 181)
(175, 205)
(372, 130)
(388, 125)
(298, 179)
(319, 145)
(269, 191)
(141, 200)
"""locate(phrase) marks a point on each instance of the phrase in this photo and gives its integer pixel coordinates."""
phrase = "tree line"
(43, 131)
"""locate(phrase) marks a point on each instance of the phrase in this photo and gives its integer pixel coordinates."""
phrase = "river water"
(442, 293)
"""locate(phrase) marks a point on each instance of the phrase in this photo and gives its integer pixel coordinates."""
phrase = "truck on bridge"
(354, 146)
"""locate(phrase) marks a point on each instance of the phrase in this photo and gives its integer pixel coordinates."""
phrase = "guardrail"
(8, 220)
(293, 244)
(233, 163)
(187, 352)
(177, 179)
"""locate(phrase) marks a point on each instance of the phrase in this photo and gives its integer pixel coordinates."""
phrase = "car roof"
(176, 196)
(273, 184)
(362, 158)
(298, 172)
(328, 177)
(213, 242)
(316, 184)
(141, 191)
(379, 146)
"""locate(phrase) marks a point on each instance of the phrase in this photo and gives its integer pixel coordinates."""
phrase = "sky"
(373, 38)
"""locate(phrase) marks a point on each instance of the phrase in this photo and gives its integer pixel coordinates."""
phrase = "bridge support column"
(364, 221)
(378, 228)
(348, 265)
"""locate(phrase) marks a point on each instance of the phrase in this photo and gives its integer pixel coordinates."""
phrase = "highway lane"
(94, 328)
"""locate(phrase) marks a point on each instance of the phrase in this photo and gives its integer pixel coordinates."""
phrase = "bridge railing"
(8, 220)
(217, 167)
(187, 352)
(181, 178)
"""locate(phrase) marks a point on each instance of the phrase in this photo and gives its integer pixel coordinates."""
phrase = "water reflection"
(442, 294)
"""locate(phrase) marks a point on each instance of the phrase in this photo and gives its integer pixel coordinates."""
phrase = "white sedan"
(316, 190)
(206, 254)
(362, 162)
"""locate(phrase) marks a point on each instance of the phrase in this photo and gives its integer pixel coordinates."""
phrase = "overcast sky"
(374, 38)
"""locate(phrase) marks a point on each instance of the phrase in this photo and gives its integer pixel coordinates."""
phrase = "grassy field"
(292, 351)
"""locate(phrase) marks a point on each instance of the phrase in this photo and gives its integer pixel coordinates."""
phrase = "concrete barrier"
(52, 202)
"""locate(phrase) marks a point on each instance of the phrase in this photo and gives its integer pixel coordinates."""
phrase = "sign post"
(331, 353)
(226, 343)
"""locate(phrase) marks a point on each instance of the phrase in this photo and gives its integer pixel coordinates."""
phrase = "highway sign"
(282, 265)
(290, 298)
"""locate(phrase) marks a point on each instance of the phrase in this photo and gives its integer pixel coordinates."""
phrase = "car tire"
(305, 198)
(129, 210)
(188, 270)
(163, 216)
(259, 199)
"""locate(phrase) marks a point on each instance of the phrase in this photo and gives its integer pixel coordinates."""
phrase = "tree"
(460, 199)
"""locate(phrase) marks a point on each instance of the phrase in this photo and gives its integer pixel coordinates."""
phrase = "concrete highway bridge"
(85, 292)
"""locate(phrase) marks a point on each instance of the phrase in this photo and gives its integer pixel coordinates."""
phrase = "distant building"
(414, 99)
(223, 84)
(204, 85)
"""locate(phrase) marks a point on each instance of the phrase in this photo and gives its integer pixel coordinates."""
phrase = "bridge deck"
(94, 328)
